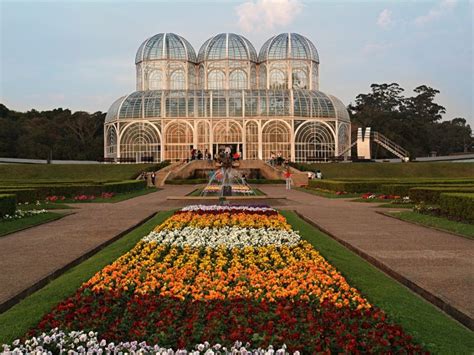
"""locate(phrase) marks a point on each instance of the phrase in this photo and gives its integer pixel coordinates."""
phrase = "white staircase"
(390, 145)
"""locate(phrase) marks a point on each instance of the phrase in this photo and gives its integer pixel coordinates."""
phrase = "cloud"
(385, 19)
(435, 12)
(262, 15)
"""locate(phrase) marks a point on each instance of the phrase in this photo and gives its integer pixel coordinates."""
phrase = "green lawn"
(392, 170)
(15, 322)
(8, 227)
(31, 173)
(397, 205)
(43, 205)
(325, 193)
(445, 224)
(428, 325)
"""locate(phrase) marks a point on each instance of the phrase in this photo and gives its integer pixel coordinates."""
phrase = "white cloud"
(261, 15)
(385, 18)
(435, 12)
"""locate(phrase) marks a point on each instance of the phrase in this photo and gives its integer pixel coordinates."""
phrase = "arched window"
(155, 80)
(178, 80)
(277, 79)
(299, 79)
(141, 142)
(216, 80)
(238, 80)
(276, 139)
(314, 141)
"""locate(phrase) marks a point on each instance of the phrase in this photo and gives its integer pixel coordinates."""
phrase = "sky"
(80, 54)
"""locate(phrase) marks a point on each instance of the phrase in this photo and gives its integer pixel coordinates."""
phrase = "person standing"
(319, 174)
(288, 179)
(153, 178)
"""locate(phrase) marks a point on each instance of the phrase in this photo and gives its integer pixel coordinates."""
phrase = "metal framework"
(227, 95)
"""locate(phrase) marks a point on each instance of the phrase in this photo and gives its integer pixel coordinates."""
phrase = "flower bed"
(224, 274)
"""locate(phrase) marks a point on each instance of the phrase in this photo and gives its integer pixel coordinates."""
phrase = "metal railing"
(390, 145)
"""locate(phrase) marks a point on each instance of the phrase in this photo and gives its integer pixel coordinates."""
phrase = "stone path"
(28, 256)
(440, 263)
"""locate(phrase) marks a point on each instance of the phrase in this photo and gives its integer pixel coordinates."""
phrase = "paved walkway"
(28, 256)
(441, 263)
(438, 262)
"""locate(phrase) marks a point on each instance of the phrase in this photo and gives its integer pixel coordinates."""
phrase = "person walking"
(288, 179)
(153, 178)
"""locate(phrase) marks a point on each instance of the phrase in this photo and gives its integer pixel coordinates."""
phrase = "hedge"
(459, 205)
(389, 187)
(32, 193)
(7, 204)
(22, 195)
(125, 186)
(431, 194)
(347, 186)
(187, 181)
(266, 181)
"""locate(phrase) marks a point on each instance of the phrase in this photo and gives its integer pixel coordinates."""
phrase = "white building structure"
(227, 95)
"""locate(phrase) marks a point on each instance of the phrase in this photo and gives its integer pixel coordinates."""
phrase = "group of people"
(197, 154)
(277, 159)
(315, 175)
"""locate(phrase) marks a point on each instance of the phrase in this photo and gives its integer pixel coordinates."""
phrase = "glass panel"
(216, 80)
(238, 80)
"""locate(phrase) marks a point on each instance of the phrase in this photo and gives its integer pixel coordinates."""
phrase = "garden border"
(387, 214)
(55, 274)
(433, 299)
(56, 218)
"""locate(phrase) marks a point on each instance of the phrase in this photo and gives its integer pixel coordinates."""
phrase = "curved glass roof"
(165, 46)
(288, 46)
(227, 103)
(227, 46)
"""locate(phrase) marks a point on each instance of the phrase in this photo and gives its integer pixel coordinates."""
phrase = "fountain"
(227, 181)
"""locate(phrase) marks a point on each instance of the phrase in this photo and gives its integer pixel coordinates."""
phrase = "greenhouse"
(227, 96)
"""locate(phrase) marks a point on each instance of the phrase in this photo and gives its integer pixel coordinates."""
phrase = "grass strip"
(16, 225)
(397, 205)
(15, 322)
(326, 194)
(444, 224)
(427, 324)
(44, 205)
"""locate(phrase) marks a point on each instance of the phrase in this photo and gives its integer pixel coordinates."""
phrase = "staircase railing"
(390, 145)
(348, 148)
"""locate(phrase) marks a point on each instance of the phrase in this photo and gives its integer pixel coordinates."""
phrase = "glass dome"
(227, 103)
(168, 46)
(288, 46)
(227, 46)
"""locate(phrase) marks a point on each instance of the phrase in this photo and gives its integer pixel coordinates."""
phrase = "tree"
(412, 122)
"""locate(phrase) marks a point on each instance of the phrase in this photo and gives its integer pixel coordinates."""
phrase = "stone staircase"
(162, 175)
(186, 170)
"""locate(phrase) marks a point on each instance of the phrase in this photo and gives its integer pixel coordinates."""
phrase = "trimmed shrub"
(7, 204)
(22, 195)
(186, 181)
(32, 193)
(431, 194)
(460, 205)
(125, 186)
(265, 181)
(347, 186)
